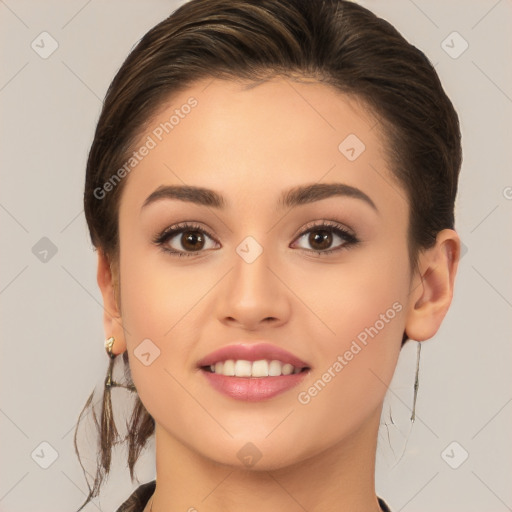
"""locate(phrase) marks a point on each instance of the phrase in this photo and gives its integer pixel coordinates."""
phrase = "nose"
(253, 295)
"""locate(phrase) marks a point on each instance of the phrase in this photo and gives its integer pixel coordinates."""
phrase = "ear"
(432, 288)
(109, 285)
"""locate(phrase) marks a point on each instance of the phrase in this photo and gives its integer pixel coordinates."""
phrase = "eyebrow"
(290, 198)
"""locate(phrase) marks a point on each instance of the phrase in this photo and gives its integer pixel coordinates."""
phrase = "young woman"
(270, 190)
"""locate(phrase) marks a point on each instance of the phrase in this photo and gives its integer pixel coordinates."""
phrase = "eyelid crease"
(328, 223)
(178, 228)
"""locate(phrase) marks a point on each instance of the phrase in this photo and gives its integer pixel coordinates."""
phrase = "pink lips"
(252, 389)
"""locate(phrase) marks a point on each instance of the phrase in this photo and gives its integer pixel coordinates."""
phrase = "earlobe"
(432, 289)
(109, 285)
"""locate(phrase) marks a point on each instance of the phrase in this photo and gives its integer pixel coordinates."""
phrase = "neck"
(339, 479)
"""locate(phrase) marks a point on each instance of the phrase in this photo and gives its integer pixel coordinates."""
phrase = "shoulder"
(139, 498)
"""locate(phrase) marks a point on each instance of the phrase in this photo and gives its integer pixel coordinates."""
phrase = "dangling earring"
(416, 382)
(109, 382)
(108, 427)
(109, 344)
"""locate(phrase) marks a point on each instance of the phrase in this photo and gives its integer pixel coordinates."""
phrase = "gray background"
(52, 352)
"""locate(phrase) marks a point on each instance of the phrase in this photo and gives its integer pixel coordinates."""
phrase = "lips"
(253, 372)
(252, 352)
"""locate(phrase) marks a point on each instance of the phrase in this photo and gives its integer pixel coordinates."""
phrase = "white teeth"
(287, 369)
(274, 368)
(243, 368)
(260, 368)
(229, 368)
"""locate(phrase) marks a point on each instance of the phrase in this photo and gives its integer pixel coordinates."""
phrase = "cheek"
(366, 311)
(363, 308)
(156, 312)
(165, 307)
(351, 297)
(156, 293)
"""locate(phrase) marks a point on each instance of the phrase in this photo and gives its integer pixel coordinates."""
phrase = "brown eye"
(192, 240)
(185, 240)
(321, 237)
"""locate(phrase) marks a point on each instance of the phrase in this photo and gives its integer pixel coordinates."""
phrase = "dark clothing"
(140, 497)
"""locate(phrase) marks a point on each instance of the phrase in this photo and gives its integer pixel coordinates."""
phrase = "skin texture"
(250, 144)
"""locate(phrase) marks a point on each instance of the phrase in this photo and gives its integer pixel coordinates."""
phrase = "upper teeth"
(261, 368)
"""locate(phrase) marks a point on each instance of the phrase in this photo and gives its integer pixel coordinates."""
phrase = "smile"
(260, 368)
(253, 371)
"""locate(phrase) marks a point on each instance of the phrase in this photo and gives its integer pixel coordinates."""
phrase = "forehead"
(254, 141)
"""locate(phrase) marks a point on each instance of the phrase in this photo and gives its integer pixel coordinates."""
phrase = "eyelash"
(169, 233)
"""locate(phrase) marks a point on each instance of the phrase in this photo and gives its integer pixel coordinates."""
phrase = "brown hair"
(336, 42)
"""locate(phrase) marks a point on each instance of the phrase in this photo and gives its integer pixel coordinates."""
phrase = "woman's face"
(320, 273)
